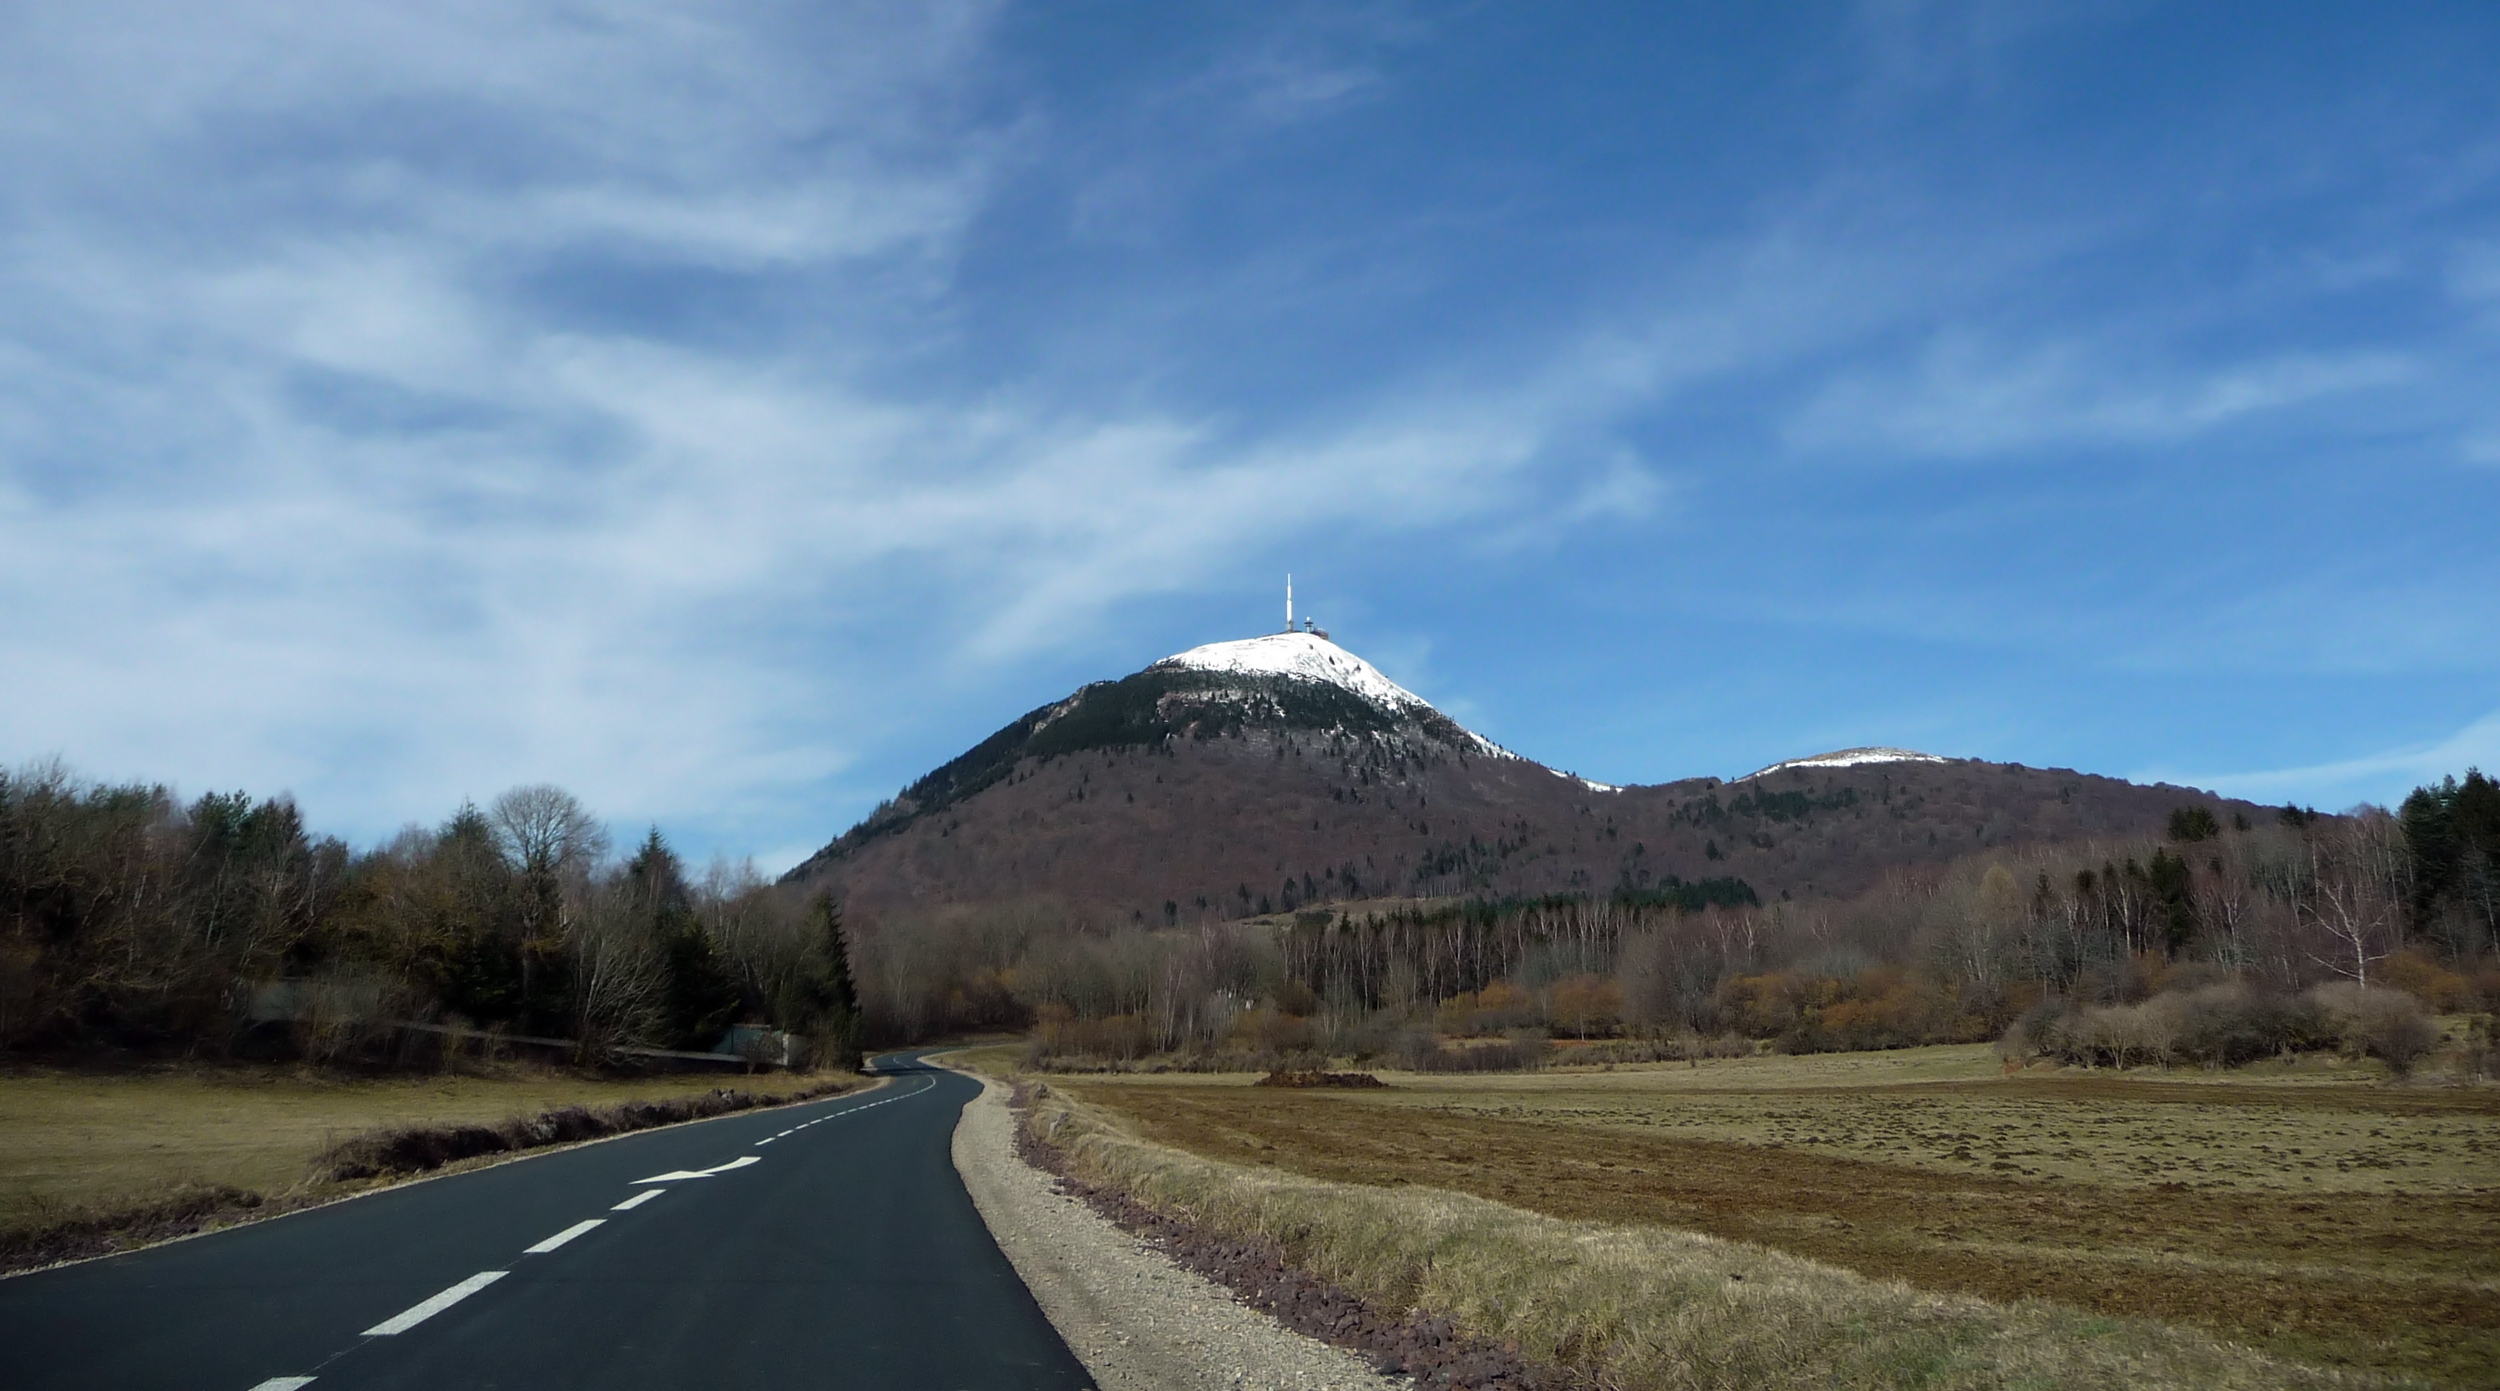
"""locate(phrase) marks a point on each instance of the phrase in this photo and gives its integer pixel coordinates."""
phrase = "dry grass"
(2326, 1220)
(1647, 1306)
(80, 1145)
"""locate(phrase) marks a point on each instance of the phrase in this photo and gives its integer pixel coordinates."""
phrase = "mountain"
(1279, 772)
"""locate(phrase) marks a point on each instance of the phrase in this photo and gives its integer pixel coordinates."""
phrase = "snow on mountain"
(1848, 758)
(1306, 655)
(1309, 657)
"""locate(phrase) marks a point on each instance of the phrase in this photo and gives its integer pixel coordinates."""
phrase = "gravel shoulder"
(1137, 1321)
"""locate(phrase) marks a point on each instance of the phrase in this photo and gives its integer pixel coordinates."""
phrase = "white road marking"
(638, 1200)
(283, 1384)
(419, 1313)
(566, 1235)
(674, 1174)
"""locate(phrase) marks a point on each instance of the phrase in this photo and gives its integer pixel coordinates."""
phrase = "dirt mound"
(1283, 1077)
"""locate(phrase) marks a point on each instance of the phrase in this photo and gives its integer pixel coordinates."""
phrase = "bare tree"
(553, 842)
(2355, 892)
(620, 978)
(545, 830)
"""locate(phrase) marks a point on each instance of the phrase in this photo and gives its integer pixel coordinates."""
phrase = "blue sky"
(731, 412)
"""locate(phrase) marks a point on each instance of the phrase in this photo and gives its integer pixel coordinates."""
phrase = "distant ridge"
(1284, 772)
(1848, 758)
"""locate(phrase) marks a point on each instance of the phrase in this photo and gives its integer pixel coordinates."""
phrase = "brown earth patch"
(2390, 1281)
(1291, 1077)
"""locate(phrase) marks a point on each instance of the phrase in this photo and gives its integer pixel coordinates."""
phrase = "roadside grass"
(2322, 1217)
(178, 1142)
(1647, 1306)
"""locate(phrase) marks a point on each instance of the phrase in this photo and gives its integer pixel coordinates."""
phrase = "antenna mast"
(1288, 603)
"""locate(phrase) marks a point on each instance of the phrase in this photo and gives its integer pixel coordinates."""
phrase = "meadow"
(2318, 1213)
(79, 1146)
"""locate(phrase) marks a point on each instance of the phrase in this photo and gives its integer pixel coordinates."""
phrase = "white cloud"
(2380, 778)
(1968, 397)
(311, 474)
(359, 520)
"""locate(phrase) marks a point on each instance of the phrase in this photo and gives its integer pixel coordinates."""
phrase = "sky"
(729, 413)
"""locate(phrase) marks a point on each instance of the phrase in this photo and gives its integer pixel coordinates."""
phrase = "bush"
(1422, 1052)
(2481, 1057)
(2231, 1024)
(2221, 1025)
(1688, 1046)
(2389, 1025)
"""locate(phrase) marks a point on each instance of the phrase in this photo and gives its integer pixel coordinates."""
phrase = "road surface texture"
(823, 1245)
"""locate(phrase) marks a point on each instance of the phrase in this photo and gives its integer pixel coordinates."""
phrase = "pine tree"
(827, 999)
(701, 999)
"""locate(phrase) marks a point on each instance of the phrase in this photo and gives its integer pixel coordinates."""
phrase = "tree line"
(2240, 920)
(223, 925)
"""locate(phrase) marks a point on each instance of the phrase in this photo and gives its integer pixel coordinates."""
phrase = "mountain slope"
(1277, 772)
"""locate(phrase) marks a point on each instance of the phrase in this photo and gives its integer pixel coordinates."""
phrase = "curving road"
(823, 1245)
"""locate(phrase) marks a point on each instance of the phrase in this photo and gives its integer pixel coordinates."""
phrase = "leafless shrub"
(2389, 1025)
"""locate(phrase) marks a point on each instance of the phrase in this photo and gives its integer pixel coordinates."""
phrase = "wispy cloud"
(1968, 398)
(665, 401)
(2382, 779)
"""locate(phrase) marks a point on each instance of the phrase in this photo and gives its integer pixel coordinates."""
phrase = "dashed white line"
(283, 1384)
(638, 1200)
(564, 1236)
(419, 1313)
(925, 1084)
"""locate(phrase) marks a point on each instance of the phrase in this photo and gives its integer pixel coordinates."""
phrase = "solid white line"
(566, 1235)
(675, 1174)
(419, 1313)
(283, 1384)
(638, 1200)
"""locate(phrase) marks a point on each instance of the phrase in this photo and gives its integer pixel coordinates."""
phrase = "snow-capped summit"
(1310, 656)
(1305, 655)
(1848, 758)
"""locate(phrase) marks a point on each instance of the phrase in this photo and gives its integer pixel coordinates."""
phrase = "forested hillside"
(1264, 818)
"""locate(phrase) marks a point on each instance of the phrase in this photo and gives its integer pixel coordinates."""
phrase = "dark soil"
(79, 1238)
(2333, 1278)
(1285, 1077)
(418, 1149)
(1433, 1351)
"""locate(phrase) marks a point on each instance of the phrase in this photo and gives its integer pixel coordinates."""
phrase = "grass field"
(76, 1145)
(2322, 1216)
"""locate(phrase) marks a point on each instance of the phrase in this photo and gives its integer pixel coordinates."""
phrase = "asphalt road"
(824, 1245)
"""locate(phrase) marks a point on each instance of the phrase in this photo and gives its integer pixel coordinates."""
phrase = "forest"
(224, 927)
(130, 919)
(2215, 942)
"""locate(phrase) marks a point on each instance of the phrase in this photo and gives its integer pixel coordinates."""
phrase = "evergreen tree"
(2175, 908)
(824, 1002)
(2452, 833)
(700, 998)
(2189, 825)
(467, 923)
